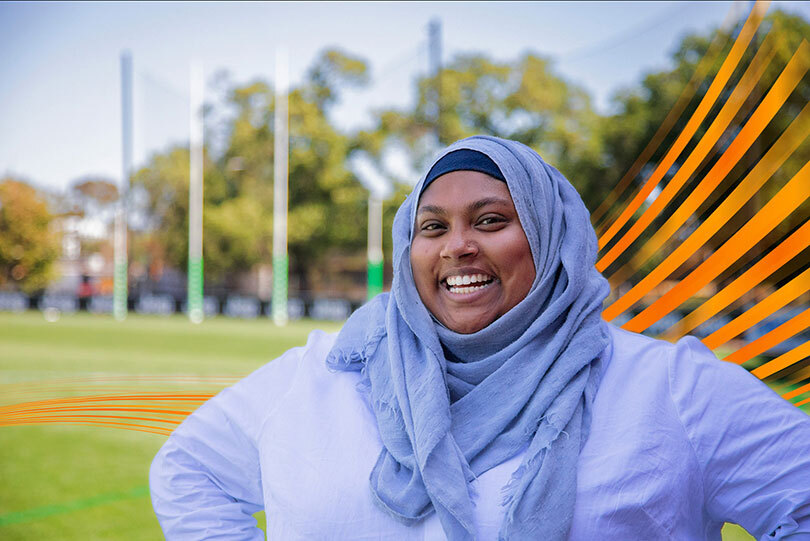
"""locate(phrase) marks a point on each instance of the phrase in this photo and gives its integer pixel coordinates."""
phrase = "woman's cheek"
(420, 253)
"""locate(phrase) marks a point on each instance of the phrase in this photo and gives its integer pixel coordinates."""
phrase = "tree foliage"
(524, 99)
(94, 191)
(28, 243)
(325, 201)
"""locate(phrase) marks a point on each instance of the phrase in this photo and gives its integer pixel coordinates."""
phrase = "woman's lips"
(467, 279)
(466, 290)
(467, 286)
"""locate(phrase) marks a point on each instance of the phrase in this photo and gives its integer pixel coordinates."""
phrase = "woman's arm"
(754, 446)
(206, 479)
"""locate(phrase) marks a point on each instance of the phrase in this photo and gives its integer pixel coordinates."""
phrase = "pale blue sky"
(60, 72)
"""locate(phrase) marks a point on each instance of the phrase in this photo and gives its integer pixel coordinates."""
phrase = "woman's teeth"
(468, 283)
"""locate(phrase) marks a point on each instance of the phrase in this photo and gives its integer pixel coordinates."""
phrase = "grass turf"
(77, 482)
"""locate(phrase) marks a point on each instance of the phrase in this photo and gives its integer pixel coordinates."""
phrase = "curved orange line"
(97, 408)
(783, 361)
(784, 252)
(720, 39)
(796, 392)
(767, 166)
(69, 417)
(770, 304)
(182, 397)
(802, 403)
(732, 155)
(706, 103)
(139, 428)
(793, 194)
(765, 342)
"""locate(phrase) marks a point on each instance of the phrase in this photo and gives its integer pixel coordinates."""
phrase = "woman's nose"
(458, 244)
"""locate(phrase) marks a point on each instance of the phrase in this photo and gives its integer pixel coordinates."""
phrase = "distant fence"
(235, 306)
(335, 309)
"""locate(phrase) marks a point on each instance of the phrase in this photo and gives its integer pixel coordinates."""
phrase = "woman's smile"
(470, 257)
(467, 283)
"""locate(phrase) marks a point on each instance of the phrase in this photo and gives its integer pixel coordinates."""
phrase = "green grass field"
(76, 482)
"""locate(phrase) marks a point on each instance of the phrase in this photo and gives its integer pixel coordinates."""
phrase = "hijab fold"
(451, 406)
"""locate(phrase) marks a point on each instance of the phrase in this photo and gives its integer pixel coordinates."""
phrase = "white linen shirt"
(679, 444)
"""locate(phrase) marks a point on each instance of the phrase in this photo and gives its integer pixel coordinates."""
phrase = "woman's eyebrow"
(475, 205)
(488, 201)
(431, 208)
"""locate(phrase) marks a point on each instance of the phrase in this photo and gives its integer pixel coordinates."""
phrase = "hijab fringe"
(530, 463)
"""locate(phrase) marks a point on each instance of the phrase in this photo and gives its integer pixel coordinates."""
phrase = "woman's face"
(470, 257)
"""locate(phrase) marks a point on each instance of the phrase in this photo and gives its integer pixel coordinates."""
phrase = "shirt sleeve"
(205, 481)
(753, 446)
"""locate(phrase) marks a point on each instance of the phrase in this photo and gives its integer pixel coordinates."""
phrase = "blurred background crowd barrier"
(53, 305)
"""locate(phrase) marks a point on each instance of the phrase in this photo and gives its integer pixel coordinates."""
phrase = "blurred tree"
(162, 199)
(523, 100)
(95, 192)
(332, 70)
(92, 198)
(28, 244)
(162, 188)
(325, 201)
(640, 110)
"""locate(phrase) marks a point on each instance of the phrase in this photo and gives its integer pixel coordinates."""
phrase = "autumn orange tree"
(28, 243)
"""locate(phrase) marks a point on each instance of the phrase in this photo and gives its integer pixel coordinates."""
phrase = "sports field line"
(45, 511)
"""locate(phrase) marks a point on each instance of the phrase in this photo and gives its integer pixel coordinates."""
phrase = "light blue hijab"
(451, 406)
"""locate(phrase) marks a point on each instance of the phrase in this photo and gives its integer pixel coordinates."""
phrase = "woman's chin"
(468, 324)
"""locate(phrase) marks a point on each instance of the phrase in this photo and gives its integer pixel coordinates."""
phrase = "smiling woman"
(486, 398)
(470, 257)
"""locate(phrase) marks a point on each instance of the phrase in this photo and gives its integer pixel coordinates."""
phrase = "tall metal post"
(280, 156)
(435, 54)
(375, 252)
(379, 189)
(120, 290)
(194, 294)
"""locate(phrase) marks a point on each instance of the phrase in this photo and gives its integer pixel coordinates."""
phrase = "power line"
(163, 85)
(401, 60)
(620, 38)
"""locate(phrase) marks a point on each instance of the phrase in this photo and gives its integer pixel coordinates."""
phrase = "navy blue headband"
(463, 160)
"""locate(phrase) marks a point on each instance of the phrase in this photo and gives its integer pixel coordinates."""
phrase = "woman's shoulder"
(683, 378)
(634, 353)
(308, 357)
(259, 393)
(635, 376)
(704, 392)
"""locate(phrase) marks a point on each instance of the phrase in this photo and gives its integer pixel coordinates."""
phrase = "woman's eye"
(431, 227)
(491, 221)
